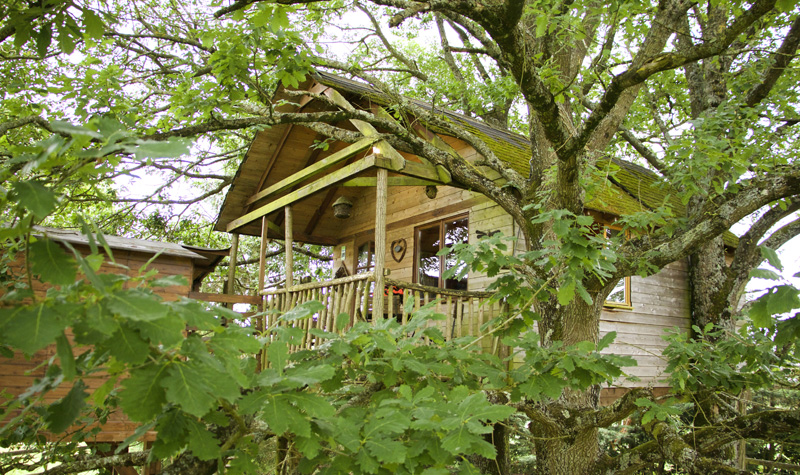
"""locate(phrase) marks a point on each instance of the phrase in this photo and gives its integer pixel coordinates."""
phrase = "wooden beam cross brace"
(331, 179)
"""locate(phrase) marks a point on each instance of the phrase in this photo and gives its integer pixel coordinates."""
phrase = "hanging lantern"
(342, 208)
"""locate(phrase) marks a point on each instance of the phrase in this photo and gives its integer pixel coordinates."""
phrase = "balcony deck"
(465, 312)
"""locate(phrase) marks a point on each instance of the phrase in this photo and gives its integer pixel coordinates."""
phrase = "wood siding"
(19, 373)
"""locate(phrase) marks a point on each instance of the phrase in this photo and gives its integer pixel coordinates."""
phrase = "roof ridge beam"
(368, 130)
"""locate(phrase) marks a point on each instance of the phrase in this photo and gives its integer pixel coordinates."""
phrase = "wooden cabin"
(19, 373)
(403, 210)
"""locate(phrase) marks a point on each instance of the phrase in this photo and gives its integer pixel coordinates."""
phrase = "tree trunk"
(500, 465)
(561, 449)
(707, 278)
(568, 455)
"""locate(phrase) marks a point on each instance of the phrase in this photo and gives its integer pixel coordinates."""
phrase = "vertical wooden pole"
(262, 261)
(261, 323)
(289, 242)
(381, 192)
(232, 266)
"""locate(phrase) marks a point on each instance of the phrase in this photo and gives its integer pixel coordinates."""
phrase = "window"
(365, 257)
(432, 238)
(620, 296)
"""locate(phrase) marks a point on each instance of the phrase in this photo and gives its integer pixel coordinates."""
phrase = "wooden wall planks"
(19, 373)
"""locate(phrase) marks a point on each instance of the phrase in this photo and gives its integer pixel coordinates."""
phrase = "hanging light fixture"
(342, 207)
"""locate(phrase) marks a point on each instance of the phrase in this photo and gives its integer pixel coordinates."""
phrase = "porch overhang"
(357, 174)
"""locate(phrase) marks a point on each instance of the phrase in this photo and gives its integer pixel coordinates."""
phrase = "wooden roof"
(283, 150)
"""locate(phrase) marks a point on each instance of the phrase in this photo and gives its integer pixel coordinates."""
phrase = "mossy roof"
(631, 188)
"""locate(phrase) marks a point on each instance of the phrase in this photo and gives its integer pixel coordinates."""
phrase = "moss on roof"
(631, 188)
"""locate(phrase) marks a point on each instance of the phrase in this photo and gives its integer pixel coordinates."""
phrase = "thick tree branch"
(783, 235)
(621, 409)
(646, 64)
(474, 30)
(677, 451)
(780, 61)
(643, 150)
(23, 121)
(170, 38)
(765, 425)
(747, 255)
(547, 423)
(447, 49)
(276, 118)
(714, 219)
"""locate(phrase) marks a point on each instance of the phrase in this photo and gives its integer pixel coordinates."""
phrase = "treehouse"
(388, 214)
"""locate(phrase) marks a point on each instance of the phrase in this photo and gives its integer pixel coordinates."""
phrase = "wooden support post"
(381, 192)
(261, 323)
(289, 244)
(232, 266)
(262, 262)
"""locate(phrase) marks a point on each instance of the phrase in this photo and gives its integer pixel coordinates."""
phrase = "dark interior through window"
(432, 238)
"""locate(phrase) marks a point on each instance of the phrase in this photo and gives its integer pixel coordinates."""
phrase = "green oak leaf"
(202, 443)
(187, 387)
(143, 395)
(126, 345)
(65, 356)
(34, 197)
(51, 262)
(32, 328)
(174, 147)
(386, 450)
(137, 305)
(167, 331)
(62, 413)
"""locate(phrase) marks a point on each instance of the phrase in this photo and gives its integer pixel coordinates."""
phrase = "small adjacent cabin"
(19, 373)
(387, 215)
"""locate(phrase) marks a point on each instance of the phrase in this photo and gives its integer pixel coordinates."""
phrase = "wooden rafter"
(381, 113)
(367, 181)
(315, 169)
(329, 180)
(304, 101)
(383, 147)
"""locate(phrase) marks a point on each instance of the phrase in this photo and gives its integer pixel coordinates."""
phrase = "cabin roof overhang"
(262, 187)
(285, 165)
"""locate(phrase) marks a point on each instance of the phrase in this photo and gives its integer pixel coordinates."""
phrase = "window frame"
(370, 257)
(440, 223)
(627, 304)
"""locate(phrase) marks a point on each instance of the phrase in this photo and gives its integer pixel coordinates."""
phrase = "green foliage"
(382, 398)
(726, 361)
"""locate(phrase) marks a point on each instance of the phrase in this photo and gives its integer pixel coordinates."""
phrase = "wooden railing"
(350, 295)
(466, 312)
